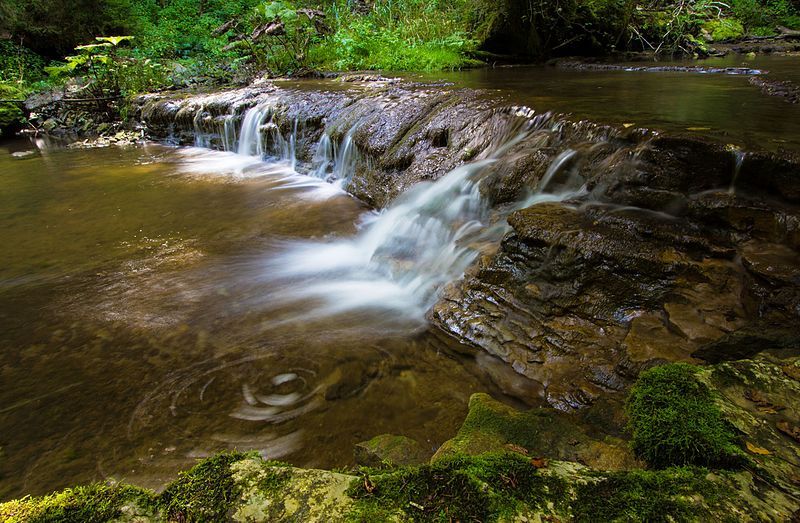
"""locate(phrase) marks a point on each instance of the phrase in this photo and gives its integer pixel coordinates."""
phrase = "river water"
(158, 304)
(143, 322)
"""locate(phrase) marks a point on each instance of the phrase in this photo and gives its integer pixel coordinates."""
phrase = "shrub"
(675, 422)
(107, 72)
(11, 116)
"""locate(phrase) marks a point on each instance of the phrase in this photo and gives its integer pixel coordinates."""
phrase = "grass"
(674, 421)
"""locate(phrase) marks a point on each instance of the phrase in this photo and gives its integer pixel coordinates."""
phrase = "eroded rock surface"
(663, 247)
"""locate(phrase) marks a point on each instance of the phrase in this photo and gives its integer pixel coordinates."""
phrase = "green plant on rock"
(11, 115)
(674, 494)
(462, 488)
(674, 421)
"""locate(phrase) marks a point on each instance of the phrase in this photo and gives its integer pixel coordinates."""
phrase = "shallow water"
(148, 317)
(159, 304)
(722, 106)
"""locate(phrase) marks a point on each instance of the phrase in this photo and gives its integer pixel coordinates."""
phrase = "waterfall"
(737, 167)
(323, 160)
(335, 163)
(346, 158)
(403, 256)
(229, 133)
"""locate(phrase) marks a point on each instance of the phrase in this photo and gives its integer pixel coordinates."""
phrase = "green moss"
(490, 425)
(89, 504)
(277, 476)
(674, 421)
(677, 494)
(724, 29)
(464, 488)
(204, 493)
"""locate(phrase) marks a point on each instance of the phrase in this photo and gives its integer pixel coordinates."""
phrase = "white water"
(402, 257)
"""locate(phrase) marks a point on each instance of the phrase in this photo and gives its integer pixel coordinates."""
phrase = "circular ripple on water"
(252, 402)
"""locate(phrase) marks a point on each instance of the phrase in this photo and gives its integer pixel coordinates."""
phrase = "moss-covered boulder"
(675, 421)
(492, 426)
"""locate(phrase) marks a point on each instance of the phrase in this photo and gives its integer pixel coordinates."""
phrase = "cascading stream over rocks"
(579, 254)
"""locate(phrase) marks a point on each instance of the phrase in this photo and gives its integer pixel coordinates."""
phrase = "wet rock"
(388, 450)
(542, 433)
(641, 267)
(762, 401)
(749, 341)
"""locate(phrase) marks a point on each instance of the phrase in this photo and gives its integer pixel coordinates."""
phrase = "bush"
(724, 29)
(675, 422)
(11, 117)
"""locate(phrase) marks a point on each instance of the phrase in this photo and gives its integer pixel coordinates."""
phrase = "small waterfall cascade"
(737, 168)
(336, 163)
(229, 134)
(324, 159)
(261, 136)
(201, 139)
(404, 256)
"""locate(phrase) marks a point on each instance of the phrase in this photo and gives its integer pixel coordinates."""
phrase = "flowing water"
(158, 304)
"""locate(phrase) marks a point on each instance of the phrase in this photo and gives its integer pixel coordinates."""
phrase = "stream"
(159, 304)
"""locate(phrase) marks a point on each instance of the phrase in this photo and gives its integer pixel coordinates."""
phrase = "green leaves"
(114, 40)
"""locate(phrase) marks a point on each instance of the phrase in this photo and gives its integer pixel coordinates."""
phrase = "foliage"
(399, 35)
(105, 72)
(674, 421)
(11, 116)
(91, 504)
(20, 64)
(724, 29)
(280, 36)
(204, 493)
(54, 27)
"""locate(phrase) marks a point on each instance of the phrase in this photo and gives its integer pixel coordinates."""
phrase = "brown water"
(137, 330)
(725, 107)
(145, 311)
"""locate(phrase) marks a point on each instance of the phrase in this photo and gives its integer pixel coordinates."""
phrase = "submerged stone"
(388, 450)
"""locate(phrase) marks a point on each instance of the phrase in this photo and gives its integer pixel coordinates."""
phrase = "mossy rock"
(492, 426)
(675, 421)
(724, 29)
(86, 504)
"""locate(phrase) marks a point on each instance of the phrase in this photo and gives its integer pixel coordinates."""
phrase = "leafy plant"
(105, 72)
(281, 36)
